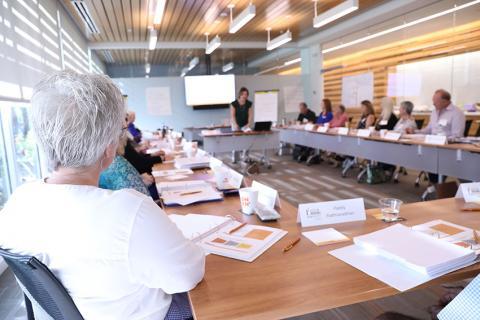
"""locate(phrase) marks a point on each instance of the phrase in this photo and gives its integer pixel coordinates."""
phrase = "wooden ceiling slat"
(185, 20)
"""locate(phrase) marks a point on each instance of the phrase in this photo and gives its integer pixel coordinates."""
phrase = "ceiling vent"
(85, 15)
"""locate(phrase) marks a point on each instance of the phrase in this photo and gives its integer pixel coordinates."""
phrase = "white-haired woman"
(406, 122)
(116, 252)
(387, 118)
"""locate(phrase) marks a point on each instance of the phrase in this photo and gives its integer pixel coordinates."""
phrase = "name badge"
(267, 196)
(434, 139)
(443, 122)
(322, 129)
(363, 133)
(309, 127)
(392, 135)
(343, 131)
(330, 212)
(470, 192)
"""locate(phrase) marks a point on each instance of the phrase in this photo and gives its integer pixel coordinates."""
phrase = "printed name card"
(267, 196)
(343, 131)
(470, 192)
(363, 133)
(323, 129)
(392, 135)
(227, 178)
(330, 212)
(215, 163)
(434, 139)
(309, 127)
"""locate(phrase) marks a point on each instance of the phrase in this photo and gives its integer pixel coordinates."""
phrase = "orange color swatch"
(258, 234)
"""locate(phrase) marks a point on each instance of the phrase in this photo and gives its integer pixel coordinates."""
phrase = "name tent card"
(343, 131)
(323, 129)
(392, 135)
(267, 196)
(470, 192)
(363, 133)
(330, 212)
(309, 127)
(434, 139)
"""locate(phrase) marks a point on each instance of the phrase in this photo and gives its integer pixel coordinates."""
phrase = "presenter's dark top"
(241, 112)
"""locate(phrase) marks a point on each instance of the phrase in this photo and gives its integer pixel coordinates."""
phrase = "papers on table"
(193, 226)
(192, 163)
(213, 132)
(325, 236)
(226, 178)
(217, 235)
(173, 172)
(187, 192)
(404, 258)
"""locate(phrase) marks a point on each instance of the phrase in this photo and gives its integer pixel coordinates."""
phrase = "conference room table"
(224, 142)
(195, 133)
(456, 160)
(305, 279)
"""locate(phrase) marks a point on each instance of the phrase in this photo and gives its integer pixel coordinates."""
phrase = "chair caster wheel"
(395, 180)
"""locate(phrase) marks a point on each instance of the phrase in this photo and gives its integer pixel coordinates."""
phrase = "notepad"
(189, 194)
(325, 237)
(212, 233)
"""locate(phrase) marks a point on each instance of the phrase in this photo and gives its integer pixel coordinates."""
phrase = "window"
(4, 181)
(21, 151)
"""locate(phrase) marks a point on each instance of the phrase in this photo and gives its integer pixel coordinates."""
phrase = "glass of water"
(390, 208)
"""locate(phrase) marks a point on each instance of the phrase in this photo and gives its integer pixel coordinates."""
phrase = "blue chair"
(45, 296)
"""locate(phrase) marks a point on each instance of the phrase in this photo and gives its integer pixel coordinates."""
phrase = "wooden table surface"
(306, 279)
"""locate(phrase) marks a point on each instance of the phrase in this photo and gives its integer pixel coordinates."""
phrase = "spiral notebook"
(212, 233)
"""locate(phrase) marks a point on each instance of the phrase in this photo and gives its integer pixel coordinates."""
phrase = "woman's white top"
(116, 252)
(403, 124)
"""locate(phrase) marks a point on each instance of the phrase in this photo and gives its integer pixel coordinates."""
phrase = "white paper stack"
(173, 172)
(192, 163)
(193, 226)
(404, 258)
(415, 250)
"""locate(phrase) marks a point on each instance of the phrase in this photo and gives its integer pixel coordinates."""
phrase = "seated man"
(300, 153)
(446, 119)
(306, 115)
(117, 253)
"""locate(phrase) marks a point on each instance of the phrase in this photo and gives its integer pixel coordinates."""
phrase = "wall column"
(312, 79)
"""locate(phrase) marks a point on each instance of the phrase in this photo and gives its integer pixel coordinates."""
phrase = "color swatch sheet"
(246, 243)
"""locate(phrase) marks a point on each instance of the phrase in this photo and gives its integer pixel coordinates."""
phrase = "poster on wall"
(357, 88)
(158, 101)
(265, 106)
(292, 96)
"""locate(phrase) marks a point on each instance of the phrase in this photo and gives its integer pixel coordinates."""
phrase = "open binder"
(212, 233)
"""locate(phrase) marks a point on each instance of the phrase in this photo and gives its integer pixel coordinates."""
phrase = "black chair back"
(468, 125)
(41, 288)
(419, 123)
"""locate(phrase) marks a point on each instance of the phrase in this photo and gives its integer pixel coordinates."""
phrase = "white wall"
(183, 115)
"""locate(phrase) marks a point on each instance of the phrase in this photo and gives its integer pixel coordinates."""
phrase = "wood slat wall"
(384, 59)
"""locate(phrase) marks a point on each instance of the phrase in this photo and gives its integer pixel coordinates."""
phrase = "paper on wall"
(158, 101)
(292, 96)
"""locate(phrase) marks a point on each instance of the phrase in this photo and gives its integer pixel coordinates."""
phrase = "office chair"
(45, 297)
(468, 125)
(419, 123)
(477, 134)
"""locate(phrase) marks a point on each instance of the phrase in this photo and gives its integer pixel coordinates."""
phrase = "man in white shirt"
(116, 252)
(446, 119)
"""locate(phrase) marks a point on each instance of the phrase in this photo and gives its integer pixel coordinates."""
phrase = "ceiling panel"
(189, 20)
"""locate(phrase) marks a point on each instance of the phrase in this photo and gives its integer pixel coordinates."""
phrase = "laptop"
(263, 126)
